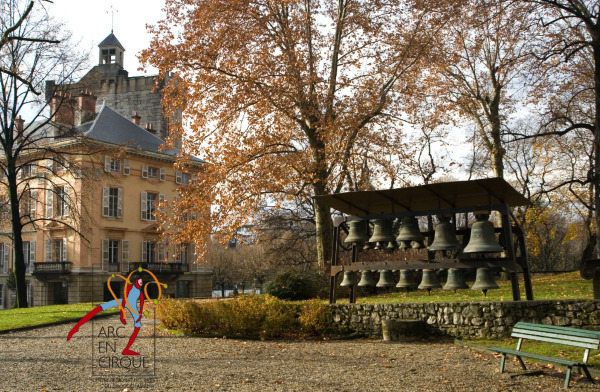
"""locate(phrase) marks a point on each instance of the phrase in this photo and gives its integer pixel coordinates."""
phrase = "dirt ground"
(42, 360)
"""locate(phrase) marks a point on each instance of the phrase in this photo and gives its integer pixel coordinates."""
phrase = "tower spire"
(112, 18)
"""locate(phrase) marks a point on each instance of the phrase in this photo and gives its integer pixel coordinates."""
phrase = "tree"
(571, 51)
(484, 70)
(32, 49)
(279, 96)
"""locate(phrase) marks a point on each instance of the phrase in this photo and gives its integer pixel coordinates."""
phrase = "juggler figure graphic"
(129, 301)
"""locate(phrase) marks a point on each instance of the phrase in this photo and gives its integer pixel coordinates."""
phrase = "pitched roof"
(111, 40)
(111, 127)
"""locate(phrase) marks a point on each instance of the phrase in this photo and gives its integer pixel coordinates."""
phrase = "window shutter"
(161, 252)
(178, 248)
(49, 165)
(105, 254)
(34, 169)
(67, 199)
(33, 204)
(63, 255)
(144, 206)
(161, 198)
(163, 174)
(107, 164)
(144, 251)
(144, 171)
(192, 256)
(48, 250)
(49, 203)
(126, 167)
(105, 197)
(177, 177)
(31, 252)
(5, 257)
(125, 254)
(119, 202)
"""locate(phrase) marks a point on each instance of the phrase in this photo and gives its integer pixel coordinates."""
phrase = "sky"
(90, 23)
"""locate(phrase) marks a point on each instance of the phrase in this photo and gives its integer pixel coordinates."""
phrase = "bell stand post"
(509, 263)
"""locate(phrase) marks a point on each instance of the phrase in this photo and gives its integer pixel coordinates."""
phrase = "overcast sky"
(90, 23)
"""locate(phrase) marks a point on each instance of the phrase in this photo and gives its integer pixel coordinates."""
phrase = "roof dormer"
(111, 51)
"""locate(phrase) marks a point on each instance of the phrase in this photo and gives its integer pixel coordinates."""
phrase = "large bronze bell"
(483, 238)
(382, 233)
(349, 279)
(456, 280)
(358, 232)
(407, 280)
(386, 279)
(409, 231)
(484, 280)
(367, 279)
(429, 281)
(445, 236)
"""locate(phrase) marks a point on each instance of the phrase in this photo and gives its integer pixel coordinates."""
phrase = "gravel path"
(42, 360)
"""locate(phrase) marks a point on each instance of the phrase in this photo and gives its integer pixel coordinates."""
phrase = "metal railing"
(60, 267)
(176, 268)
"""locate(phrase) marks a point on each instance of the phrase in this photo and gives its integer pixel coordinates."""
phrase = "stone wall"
(469, 319)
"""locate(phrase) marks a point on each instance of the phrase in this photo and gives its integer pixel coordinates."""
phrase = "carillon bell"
(382, 232)
(409, 231)
(367, 279)
(445, 236)
(484, 280)
(429, 281)
(404, 245)
(349, 279)
(407, 280)
(483, 238)
(386, 279)
(456, 280)
(358, 232)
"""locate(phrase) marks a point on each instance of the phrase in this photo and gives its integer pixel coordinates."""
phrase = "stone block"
(402, 330)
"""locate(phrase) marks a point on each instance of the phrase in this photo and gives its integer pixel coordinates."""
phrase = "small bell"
(456, 280)
(404, 245)
(482, 239)
(349, 279)
(484, 280)
(407, 280)
(445, 236)
(367, 279)
(358, 232)
(382, 232)
(429, 281)
(386, 279)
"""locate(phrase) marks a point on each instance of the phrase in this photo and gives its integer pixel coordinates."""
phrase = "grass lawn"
(553, 287)
(16, 318)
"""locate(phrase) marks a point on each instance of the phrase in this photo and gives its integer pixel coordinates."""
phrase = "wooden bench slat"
(560, 361)
(553, 338)
(561, 330)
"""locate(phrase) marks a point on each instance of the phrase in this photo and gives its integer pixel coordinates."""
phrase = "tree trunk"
(596, 168)
(324, 235)
(17, 230)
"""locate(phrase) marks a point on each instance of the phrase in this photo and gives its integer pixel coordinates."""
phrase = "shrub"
(294, 285)
(262, 316)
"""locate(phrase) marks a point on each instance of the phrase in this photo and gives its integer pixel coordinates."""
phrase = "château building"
(99, 195)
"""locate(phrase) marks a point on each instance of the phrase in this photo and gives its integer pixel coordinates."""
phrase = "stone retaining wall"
(469, 319)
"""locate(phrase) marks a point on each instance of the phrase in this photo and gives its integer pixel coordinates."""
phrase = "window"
(4, 255)
(28, 170)
(112, 201)
(183, 289)
(112, 252)
(29, 255)
(29, 204)
(153, 172)
(62, 200)
(109, 56)
(182, 178)
(4, 207)
(112, 165)
(55, 251)
(149, 201)
(1, 296)
(182, 253)
(153, 252)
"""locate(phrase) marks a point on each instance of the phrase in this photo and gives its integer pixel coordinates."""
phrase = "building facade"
(98, 197)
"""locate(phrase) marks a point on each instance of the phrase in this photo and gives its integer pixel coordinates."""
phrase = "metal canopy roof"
(439, 196)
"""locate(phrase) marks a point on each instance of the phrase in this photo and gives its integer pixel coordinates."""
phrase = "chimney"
(136, 118)
(150, 129)
(86, 107)
(62, 109)
(19, 123)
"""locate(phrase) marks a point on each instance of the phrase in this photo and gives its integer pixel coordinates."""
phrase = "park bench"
(553, 334)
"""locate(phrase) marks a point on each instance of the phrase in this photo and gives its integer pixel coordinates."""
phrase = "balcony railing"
(168, 268)
(61, 267)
